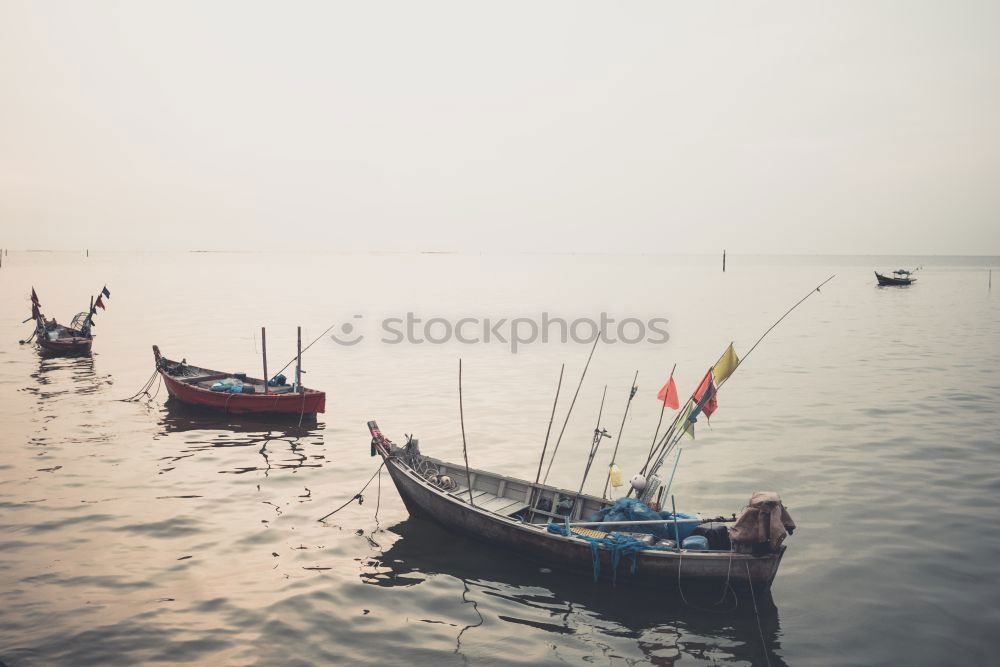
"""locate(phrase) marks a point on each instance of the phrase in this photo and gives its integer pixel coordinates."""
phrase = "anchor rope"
(357, 496)
(144, 390)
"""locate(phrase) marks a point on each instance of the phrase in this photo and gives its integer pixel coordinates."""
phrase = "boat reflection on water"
(281, 442)
(60, 375)
(178, 416)
(661, 625)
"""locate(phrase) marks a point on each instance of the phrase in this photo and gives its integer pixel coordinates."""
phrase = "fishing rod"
(692, 413)
(570, 411)
(614, 454)
(541, 460)
(299, 355)
(599, 435)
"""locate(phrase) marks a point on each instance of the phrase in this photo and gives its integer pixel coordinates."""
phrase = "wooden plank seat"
(491, 502)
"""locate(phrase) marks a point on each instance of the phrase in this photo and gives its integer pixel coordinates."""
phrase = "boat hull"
(689, 569)
(887, 281)
(65, 346)
(308, 403)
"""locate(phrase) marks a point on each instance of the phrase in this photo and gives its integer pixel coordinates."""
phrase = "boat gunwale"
(189, 382)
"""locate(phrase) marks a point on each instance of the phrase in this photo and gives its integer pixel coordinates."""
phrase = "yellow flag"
(726, 365)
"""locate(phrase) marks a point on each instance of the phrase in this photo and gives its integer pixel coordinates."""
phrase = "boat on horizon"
(899, 278)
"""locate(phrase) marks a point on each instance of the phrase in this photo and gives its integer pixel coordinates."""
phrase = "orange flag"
(668, 394)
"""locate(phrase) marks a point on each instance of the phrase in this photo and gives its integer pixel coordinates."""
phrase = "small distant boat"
(58, 339)
(75, 339)
(519, 516)
(899, 278)
(235, 393)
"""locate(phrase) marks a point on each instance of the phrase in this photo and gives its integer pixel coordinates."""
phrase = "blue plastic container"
(696, 542)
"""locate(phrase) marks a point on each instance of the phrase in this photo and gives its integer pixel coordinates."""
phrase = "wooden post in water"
(298, 363)
(263, 350)
(723, 260)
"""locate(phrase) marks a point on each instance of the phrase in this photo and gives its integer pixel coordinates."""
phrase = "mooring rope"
(144, 390)
(357, 496)
(753, 596)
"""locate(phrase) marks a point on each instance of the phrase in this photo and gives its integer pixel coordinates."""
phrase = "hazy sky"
(799, 127)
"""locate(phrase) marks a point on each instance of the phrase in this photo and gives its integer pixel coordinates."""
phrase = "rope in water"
(357, 496)
(756, 613)
(144, 390)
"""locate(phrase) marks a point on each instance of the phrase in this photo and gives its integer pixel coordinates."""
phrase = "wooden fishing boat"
(55, 338)
(507, 513)
(192, 385)
(900, 278)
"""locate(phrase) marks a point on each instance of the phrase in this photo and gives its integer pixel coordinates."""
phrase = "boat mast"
(298, 362)
(263, 350)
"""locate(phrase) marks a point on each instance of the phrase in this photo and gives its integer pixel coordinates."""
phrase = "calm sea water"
(136, 533)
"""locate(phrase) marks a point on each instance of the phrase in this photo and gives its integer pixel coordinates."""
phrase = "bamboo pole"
(549, 429)
(723, 260)
(659, 423)
(298, 364)
(263, 350)
(614, 455)
(666, 447)
(599, 435)
(461, 417)
(570, 411)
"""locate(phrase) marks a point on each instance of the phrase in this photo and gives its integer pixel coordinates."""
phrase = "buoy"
(638, 482)
(616, 476)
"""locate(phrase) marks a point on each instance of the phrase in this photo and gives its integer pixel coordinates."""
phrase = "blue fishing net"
(619, 545)
(630, 509)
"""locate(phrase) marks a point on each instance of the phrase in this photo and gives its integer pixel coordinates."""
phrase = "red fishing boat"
(55, 338)
(235, 392)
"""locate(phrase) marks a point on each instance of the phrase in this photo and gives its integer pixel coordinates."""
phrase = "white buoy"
(638, 482)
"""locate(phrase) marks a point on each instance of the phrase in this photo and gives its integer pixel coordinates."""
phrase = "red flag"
(34, 297)
(668, 394)
(712, 404)
(100, 303)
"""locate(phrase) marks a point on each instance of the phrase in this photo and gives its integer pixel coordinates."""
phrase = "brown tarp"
(765, 520)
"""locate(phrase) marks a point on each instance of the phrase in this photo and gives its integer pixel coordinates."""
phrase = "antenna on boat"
(549, 429)
(555, 450)
(674, 434)
(614, 455)
(461, 418)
